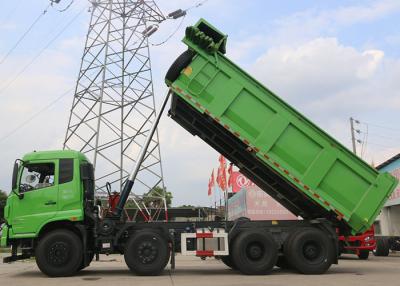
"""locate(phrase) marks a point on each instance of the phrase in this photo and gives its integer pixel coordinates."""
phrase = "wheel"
(59, 253)
(363, 254)
(90, 257)
(282, 263)
(179, 64)
(147, 253)
(309, 250)
(254, 252)
(382, 247)
(228, 261)
(341, 249)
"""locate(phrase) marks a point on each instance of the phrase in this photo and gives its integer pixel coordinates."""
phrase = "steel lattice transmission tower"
(113, 107)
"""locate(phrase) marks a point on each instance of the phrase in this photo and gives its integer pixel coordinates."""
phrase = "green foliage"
(153, 197)
(3, 198)
(187, 206)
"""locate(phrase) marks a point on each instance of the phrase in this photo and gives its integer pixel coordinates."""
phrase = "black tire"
(147, 253)
(228, 261)
(59, 253)
(282, 263)
(179, 64)
(90, 257)
(382, 247)
(363, 254)
(254, 252)
(341, 249)
(309, 250)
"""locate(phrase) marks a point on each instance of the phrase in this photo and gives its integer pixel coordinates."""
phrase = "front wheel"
(382, 247)
(363, 254)
(59, 253)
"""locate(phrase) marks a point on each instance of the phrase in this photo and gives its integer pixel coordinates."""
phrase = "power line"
(175, 15)
(66, 7)
(40, 53)
(381, 126)
(196, 5)
(36, 114)
(25, 34)
(382, 145)
(392, 138)
(171, 35)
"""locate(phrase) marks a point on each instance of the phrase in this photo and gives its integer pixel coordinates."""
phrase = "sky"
(331, 60)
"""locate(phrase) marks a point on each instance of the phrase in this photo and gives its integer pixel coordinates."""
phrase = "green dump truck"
(51, 214)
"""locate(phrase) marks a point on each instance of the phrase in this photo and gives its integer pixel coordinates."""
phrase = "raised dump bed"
(289, 157)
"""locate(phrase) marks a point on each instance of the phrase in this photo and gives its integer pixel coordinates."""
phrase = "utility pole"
(353, 136)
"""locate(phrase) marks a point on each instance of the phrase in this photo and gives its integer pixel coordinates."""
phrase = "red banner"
(211, 183)
(221, 177)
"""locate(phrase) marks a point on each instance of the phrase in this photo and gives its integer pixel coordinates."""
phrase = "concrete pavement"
(112, 271)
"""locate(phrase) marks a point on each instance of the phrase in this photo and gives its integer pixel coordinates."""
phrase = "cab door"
(39, 186)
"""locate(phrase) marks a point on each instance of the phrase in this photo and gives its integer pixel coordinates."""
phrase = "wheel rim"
(147, 252)
(312, 252)
(255, 251)
(58, 253)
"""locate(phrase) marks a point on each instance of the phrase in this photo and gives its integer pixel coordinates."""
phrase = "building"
(388, 221)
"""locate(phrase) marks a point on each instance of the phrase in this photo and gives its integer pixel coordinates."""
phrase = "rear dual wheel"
(309, 250)
(254, 252)
(228, 261)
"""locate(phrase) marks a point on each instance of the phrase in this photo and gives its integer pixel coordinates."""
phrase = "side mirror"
(87, 177)
(15, 179)
(15, 176)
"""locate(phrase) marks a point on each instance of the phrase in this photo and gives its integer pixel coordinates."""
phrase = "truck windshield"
(37, 176)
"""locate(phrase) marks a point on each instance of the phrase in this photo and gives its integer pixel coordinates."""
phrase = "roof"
(387, 162)
(54, 154)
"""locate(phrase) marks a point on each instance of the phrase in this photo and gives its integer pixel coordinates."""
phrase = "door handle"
(49, 203)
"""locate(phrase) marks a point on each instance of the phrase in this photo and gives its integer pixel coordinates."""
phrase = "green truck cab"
(47, 190)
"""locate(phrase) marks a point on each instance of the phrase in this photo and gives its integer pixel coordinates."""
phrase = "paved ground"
(112, 271)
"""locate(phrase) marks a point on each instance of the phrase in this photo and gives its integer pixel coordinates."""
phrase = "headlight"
(368, 238)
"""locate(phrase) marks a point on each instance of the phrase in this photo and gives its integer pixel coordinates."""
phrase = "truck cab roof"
(54, 154)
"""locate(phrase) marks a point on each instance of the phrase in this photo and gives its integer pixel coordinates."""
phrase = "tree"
(3, 198)
(187, 206)
(153, 198)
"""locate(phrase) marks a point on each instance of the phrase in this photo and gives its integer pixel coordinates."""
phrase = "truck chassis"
(252, 247)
